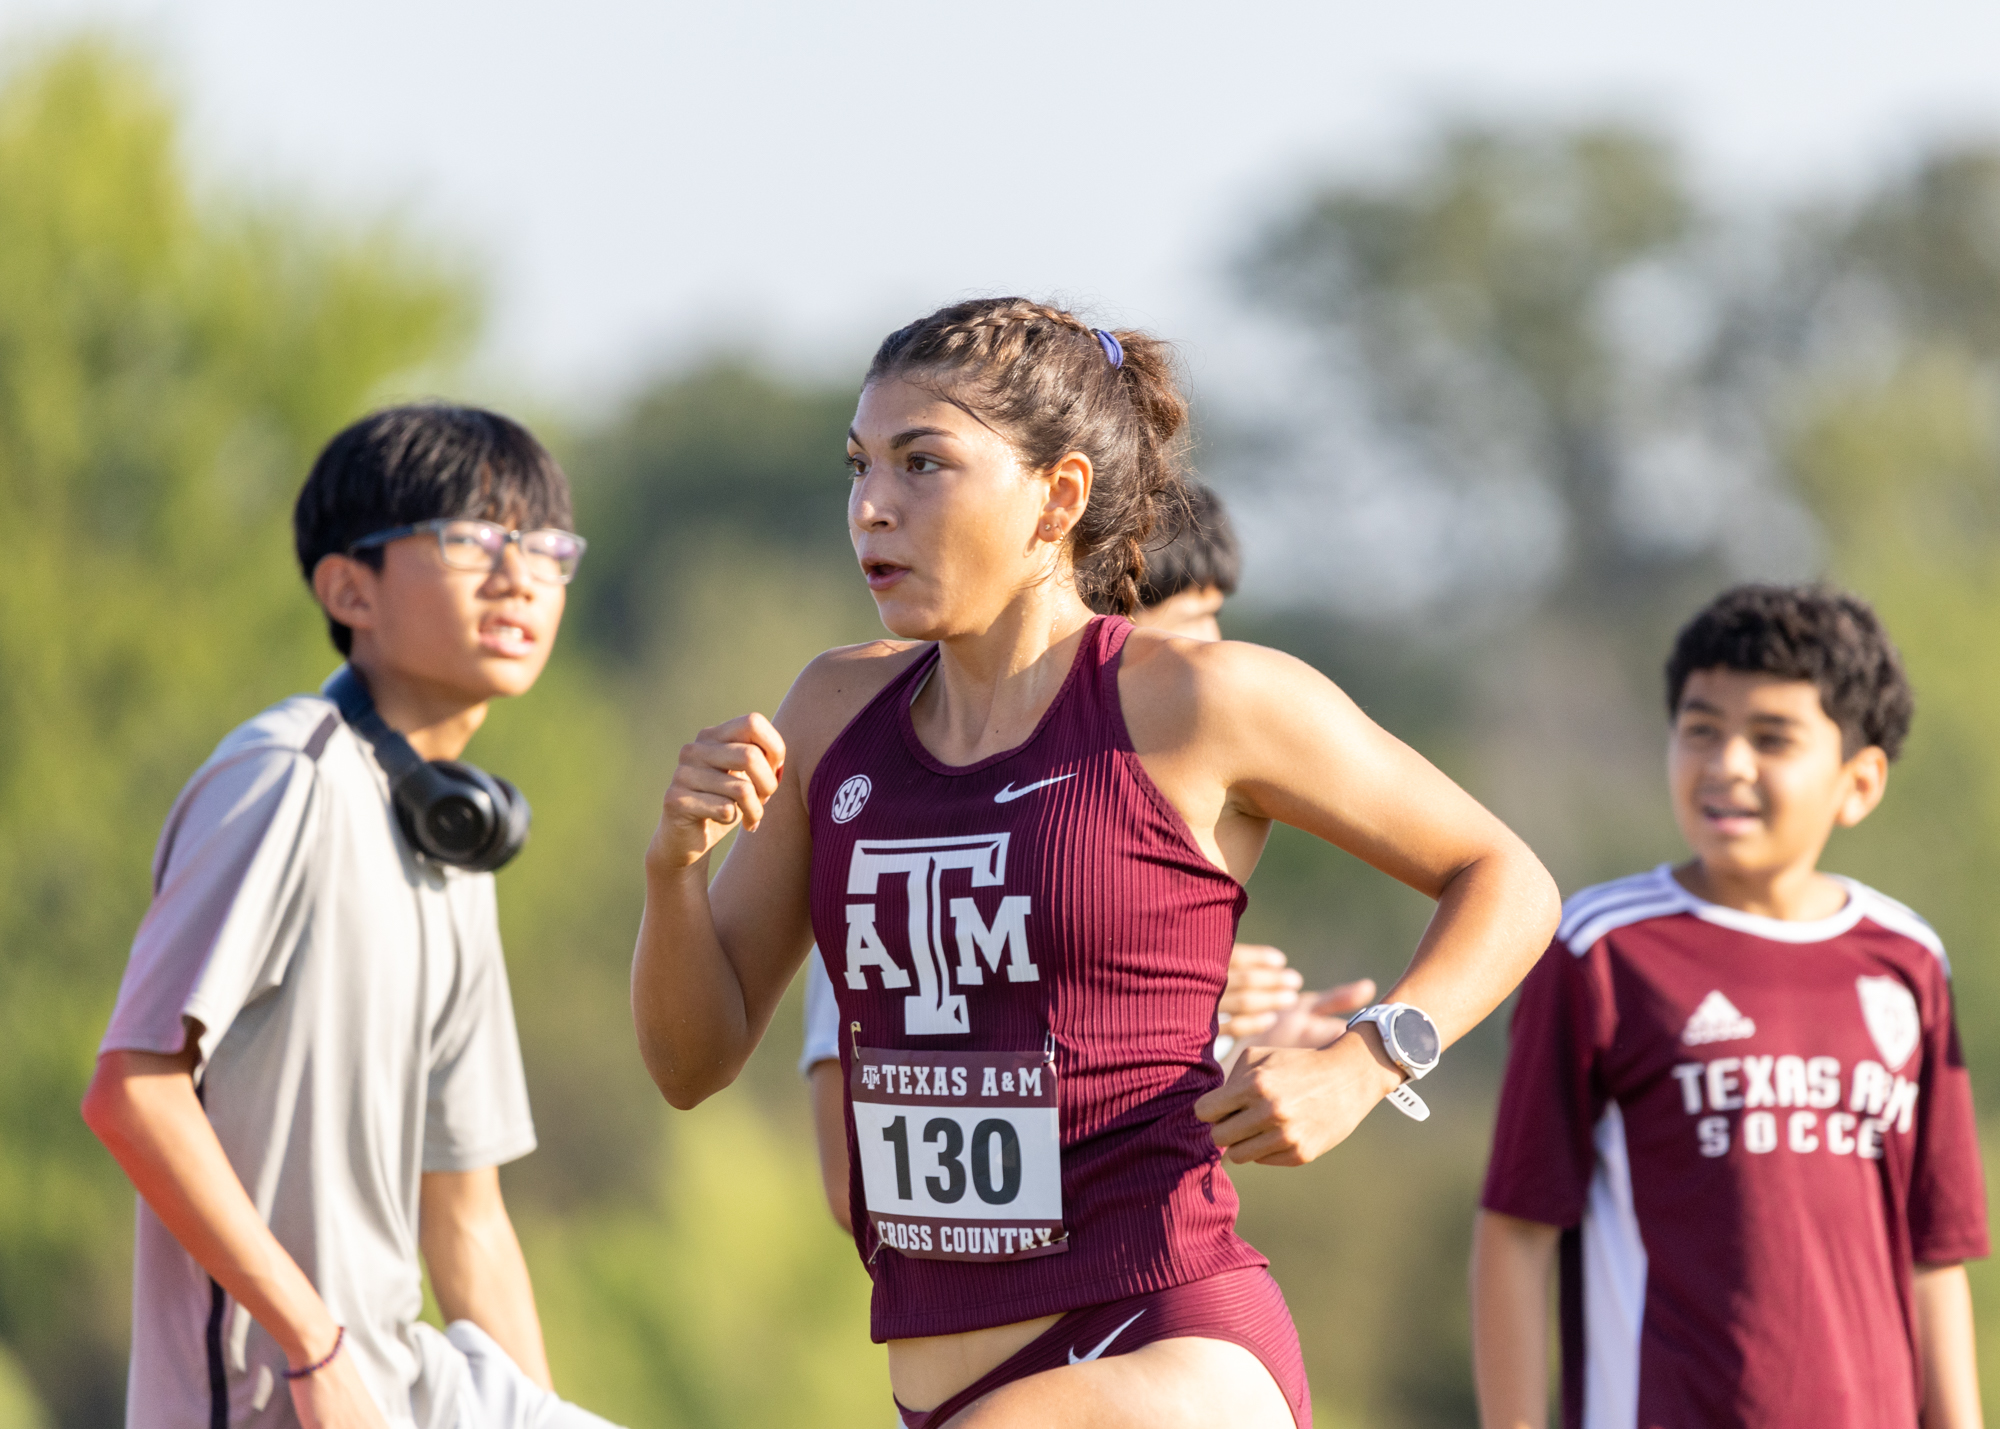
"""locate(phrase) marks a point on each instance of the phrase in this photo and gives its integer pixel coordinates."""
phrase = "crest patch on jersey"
(1891, 1014)
(1716, 1020)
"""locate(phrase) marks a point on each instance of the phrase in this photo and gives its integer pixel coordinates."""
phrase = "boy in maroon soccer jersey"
(1735, 1110)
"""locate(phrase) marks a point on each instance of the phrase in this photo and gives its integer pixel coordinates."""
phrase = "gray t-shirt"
(357, 1031)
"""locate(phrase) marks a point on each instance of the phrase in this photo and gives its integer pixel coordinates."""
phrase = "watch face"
(1416, 1037)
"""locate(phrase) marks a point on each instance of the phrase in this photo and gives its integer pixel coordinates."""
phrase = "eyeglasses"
(550, 555)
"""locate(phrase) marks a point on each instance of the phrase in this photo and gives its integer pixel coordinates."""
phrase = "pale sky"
(641, 181)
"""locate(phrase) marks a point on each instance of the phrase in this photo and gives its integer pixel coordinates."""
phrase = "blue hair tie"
(1113, 352)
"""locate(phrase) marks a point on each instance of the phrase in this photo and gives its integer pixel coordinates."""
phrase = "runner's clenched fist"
(723, 778)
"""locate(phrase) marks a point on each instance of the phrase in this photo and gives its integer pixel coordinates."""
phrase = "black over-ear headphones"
(450, 811)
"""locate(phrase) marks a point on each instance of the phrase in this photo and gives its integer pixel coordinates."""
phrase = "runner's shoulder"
(834, 687)
(1203, 676)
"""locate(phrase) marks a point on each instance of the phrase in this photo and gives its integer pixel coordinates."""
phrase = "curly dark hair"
(1038, 376)
(1804, 632)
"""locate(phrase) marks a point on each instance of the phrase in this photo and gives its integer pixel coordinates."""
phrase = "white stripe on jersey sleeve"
(1897, 918)
(1607, 907)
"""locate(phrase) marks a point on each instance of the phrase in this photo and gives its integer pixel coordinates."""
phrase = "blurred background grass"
(1594, 392)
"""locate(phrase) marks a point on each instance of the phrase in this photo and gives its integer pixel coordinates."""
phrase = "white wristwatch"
(1412, 1042)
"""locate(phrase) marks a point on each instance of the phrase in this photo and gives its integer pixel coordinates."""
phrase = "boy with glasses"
(312, 1074)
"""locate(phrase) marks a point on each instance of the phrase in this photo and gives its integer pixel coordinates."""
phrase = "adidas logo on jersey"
(1716, 1020)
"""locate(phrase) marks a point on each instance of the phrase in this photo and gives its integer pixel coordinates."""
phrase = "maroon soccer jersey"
(1749, 1130)
(1033, 947)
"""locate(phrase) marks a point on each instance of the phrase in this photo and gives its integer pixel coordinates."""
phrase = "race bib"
(961, 1154)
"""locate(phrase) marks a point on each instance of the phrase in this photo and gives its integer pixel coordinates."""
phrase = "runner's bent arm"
(1512, 1261)
(477, 1270)
(1237, 737)
(713, 960)
(142, 1106)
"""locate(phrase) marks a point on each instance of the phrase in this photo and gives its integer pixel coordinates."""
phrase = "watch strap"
(1406, 1101)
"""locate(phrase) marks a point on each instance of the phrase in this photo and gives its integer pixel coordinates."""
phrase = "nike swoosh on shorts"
(1009, 794)
(1102, 1345)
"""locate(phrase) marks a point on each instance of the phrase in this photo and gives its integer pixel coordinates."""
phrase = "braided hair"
(1039, 377)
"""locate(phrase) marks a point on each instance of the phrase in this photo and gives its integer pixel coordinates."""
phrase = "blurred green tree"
(724, 455)
(170, 360)
(167, 368)
(1896, 440)
(1552, 311)
(1469, 297)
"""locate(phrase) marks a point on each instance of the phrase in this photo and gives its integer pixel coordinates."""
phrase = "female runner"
(1020, 832)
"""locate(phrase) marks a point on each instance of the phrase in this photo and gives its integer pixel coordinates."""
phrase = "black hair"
(1202, 553)
(416, 463)
(1804, 632)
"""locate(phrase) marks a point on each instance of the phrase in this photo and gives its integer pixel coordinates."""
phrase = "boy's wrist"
(305, 1332)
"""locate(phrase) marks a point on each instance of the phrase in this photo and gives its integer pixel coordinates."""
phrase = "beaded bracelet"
(339, 1338)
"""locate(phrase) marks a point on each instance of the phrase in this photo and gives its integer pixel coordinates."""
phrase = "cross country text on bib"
(961, 1155)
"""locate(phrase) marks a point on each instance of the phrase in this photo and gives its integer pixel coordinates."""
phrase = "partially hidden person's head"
(1000, 444)
(1788, 704)
(1189, 576)
(435, 538)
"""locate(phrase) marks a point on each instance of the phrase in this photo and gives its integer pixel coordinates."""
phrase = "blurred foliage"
(167, 369)
(1554, 309)
(1550, 315)
(724, 456)
(727, 1298)
(19, 1407)
(1472, 295)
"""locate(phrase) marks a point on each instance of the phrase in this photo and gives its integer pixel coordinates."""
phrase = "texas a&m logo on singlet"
(960, 1151)
(938, 926)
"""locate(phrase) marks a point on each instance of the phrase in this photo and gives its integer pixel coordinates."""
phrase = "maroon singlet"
(1046, 908)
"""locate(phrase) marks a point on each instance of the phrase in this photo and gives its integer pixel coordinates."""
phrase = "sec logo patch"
(849, 797)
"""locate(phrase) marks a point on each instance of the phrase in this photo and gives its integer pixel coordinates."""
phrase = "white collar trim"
(1778, 930)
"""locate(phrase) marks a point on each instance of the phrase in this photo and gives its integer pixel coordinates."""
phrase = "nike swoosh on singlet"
(1009, 794)
(1102, 1345)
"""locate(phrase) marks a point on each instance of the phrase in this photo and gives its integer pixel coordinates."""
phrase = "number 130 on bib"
(961, 1153)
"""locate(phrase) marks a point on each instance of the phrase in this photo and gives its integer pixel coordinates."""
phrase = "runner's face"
(472, 634)
(944, 518)
(1755, 768)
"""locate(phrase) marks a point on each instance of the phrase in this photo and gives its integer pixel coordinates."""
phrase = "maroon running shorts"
(1244, 1307)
